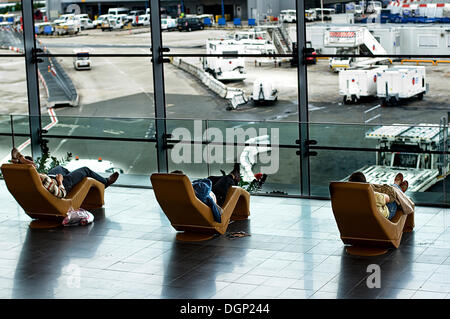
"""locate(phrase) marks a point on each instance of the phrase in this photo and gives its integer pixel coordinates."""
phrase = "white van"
(81, 61)
(288, 15)
(117, 11)
(143, 20)
(168, 24)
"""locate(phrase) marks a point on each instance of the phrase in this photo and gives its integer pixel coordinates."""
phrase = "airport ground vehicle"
(422, 170)
(134, 15)
(310, 15)
(81, 61)
(168, 24)
(225, 68)
(143, 20)
(359, 82)
(72, 25)
(64, 18)
(115, 22)
(99, 165)
(325, 12)
(98, 22)
(118, 11)
(353, 40)
(189, 24)
(86, 24)
(402, 82)
(264, 91)
(288, 16)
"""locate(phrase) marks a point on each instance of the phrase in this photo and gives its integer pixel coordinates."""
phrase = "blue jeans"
(393, 206)
(73, 178)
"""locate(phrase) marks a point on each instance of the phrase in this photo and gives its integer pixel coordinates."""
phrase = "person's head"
(357, 177)
(177, 172)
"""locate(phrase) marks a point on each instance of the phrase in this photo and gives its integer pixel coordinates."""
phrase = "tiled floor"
(294, 251)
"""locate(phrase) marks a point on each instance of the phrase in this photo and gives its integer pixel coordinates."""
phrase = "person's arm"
(54, 187)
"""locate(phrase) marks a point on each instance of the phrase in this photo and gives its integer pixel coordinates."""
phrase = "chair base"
(44, 224)
(365, 251)
(191, 236)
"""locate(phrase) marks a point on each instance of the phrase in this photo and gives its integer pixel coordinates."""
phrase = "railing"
(204, 147)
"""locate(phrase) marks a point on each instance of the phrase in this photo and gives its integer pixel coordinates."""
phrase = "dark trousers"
(73, 178)
(220, 187)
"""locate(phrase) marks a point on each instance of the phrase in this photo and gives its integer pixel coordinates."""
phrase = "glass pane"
(228, 142)
(136, 161)
(425, 172)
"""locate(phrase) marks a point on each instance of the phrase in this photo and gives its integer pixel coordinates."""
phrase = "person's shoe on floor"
(112, 179)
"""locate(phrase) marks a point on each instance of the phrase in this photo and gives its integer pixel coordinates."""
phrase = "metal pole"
(302, 99)
(34, 107)
(158, 85)
(321, 8)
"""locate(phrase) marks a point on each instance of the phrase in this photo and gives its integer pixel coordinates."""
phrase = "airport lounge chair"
(48, 211)
(189, 215)
(360, 223)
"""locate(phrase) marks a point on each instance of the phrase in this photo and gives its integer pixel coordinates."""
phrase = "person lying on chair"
(388, 197)
(59, 180)
(213, 190)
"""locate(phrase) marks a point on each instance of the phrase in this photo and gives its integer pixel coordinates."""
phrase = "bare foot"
(398, 179)
(404, 186)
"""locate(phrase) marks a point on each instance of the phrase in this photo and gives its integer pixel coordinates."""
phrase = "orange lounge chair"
(176, 196)
(24, 184)
(361, 224)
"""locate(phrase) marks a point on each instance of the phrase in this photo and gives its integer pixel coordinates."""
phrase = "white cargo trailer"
(356, 83)
(402, 82)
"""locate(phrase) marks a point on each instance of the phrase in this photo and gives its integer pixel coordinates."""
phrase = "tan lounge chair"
(361, 224)
(176, 196)
(24, 184)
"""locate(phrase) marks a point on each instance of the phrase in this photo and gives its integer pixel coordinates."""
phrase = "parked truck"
(354, 41)
(359, 82)
(402, 82)
(422, 170)
(225, 68)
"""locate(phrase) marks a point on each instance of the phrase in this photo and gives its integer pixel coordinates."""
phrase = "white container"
(401, 82)
(356, 83)
(264, 91)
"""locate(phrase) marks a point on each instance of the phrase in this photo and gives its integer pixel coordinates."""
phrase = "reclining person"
(388, 198)
(59, 181)
(213, 190)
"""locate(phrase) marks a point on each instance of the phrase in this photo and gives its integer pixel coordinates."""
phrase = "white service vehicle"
(82, 16)
(118, 11)
(64, 18)
(168, 24)
(359, 82)
(421, 170)
(115, 22)
(225, 68)
(310, 15)
(288, 16)
(81, 61)
(71, 25)
(264, 91)
(325, 12)
(133, 15)
(353, 40)
(98, 22)
(86, 24)
(143, 20)
(401, 82)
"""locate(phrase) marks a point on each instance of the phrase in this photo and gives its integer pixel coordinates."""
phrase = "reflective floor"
(294, 251)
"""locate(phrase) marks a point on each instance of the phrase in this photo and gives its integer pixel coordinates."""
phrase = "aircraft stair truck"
(353, 40)
(401, 82)
(225, 68)
(359, 82)
(421, 170)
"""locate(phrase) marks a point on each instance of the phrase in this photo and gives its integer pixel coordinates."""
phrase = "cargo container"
(360, 82)
(402, 82)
